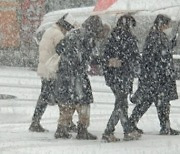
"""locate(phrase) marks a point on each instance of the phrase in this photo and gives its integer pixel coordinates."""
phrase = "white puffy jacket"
(48, 59)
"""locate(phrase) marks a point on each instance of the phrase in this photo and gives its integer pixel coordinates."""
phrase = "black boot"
(83, 133)
(36, 127)
(62, 132)
(165, 131)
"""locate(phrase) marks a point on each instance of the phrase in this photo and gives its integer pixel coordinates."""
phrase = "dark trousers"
(163, 110)
(120, 111)
(46, 97)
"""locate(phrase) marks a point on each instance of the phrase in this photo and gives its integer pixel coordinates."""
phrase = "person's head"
(126, 21)
(93, 24)
(162, 22)
(66, 22)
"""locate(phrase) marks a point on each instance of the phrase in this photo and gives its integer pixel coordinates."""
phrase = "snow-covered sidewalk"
(15, 118)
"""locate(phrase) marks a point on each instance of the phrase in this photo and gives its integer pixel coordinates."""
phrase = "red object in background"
(32, 13)
(102, 5)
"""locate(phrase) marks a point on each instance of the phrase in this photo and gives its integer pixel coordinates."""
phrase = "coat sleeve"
(109, 50)
(134, 57)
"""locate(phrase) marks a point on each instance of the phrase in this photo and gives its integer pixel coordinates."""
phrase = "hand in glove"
(115, 62)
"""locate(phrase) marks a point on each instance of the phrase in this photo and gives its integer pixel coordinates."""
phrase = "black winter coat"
(122, 45)
(73, 85)
(157, 77)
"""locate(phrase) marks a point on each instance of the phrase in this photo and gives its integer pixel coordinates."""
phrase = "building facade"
(9, 25)
(19, 20)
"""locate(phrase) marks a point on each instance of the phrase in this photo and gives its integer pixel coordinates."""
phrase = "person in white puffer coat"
(47, 67)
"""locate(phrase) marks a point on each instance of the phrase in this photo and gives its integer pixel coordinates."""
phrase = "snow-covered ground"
(15, 118)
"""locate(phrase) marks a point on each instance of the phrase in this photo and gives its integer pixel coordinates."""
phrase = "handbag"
(52, 64)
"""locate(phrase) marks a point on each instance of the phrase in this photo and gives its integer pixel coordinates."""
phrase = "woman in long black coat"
(157, 81)
(73, 89)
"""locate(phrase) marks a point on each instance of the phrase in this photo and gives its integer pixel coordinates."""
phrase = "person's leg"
(72, 127)
(40, 107)
(130, 132)
(83, 123)
(163, 110)
(65, 119)
(38, 113)
(120, 112)
(138, 112)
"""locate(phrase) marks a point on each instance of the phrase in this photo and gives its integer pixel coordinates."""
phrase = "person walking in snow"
(121, 55)
(73, 85)
(157, 81)
(47, 70)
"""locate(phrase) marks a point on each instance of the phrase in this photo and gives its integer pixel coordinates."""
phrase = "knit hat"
(126, 20)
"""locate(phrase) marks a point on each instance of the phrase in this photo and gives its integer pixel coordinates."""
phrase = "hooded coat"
(121, 44)
(72, 84)
(157, 78)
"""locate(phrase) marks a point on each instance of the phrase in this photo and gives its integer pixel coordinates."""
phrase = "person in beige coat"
(47, 67)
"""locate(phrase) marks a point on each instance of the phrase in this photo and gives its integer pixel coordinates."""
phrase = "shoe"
(83, 134)
(62, 135)
(36, 127)
(174, 132)
(166, 131)
(134, 135)
(110, 138)
(140, 131)
(86, 136)
(62, 132)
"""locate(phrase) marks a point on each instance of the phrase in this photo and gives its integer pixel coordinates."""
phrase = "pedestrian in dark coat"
(121, 55)
(73, 85)
(157, 81)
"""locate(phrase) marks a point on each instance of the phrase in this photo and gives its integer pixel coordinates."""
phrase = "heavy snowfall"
(22, 27)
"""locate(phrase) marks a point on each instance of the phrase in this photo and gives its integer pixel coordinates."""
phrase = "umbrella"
(102, 5)
(139, 7)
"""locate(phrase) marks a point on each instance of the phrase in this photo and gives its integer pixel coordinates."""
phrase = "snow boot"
(62, 132)
(83, 134)
(134, 135)
(165, 131)
(36, 127)
(110, 137)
